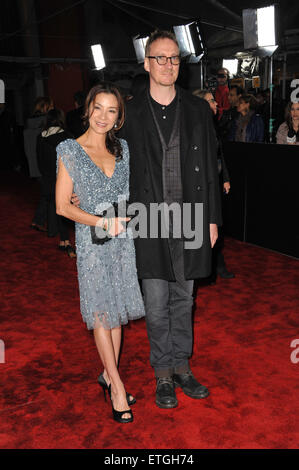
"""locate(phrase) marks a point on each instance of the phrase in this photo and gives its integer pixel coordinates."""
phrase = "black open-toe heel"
(103, 384)
(117, 415)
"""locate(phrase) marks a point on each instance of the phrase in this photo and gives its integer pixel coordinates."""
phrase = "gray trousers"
(168, 306)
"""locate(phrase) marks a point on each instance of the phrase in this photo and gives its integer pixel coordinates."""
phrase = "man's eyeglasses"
(212, 100)
(162, 59)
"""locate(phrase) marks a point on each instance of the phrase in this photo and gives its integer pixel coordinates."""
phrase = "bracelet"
(103, 224)
(109, 223)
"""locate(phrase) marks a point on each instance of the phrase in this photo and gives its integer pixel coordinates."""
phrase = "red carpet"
(49, 397)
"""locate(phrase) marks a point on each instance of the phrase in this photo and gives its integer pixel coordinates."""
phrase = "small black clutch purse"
(109, 213)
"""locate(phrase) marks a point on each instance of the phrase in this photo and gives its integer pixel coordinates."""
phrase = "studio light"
(260, 34)
(2, 92)
(259, 29)
(139, 45)
(98, 56)
(266, 26)
(184, 39)
(190, 41)
(231, 65)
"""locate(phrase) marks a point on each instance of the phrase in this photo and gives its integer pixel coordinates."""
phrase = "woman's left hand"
(115, 225)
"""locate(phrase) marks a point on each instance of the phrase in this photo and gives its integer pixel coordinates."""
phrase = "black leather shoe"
(165, 393)
(190, 386)
(225, 274)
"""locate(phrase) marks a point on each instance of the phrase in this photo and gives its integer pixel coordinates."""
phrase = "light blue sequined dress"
(109, 289)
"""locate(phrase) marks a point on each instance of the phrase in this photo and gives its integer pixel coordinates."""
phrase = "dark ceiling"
(221, 20)
(60, 24)
(36, 33)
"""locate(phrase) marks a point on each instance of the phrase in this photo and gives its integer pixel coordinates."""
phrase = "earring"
(115, 125)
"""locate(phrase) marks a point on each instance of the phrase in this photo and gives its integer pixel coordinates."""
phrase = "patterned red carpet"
(49, 396)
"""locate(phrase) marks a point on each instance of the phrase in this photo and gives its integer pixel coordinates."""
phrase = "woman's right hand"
(114, 226)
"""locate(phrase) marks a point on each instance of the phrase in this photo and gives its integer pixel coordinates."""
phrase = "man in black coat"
(172, 147)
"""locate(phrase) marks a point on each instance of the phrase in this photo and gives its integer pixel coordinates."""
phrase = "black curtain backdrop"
(263, 205)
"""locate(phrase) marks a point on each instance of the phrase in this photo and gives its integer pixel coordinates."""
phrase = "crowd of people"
(239, 116)
(100, 153)
(244, 116)
(44, 130)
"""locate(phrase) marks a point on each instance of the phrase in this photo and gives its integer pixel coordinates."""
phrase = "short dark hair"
(247, 98)
(159, 35)
(225, 70)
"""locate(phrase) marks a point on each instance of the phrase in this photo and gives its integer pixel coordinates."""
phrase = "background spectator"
(222, 91)
(288, 131)
(228, 115)
(248, 126)
(34, 126)
(47, 142)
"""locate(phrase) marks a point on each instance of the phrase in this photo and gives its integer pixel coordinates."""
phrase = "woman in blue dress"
(96, 167)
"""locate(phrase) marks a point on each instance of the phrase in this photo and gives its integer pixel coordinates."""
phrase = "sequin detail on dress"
(108, 284)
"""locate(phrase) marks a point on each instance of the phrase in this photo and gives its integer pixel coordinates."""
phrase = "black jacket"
(222, 168)
(46, 155)
(199, 180)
